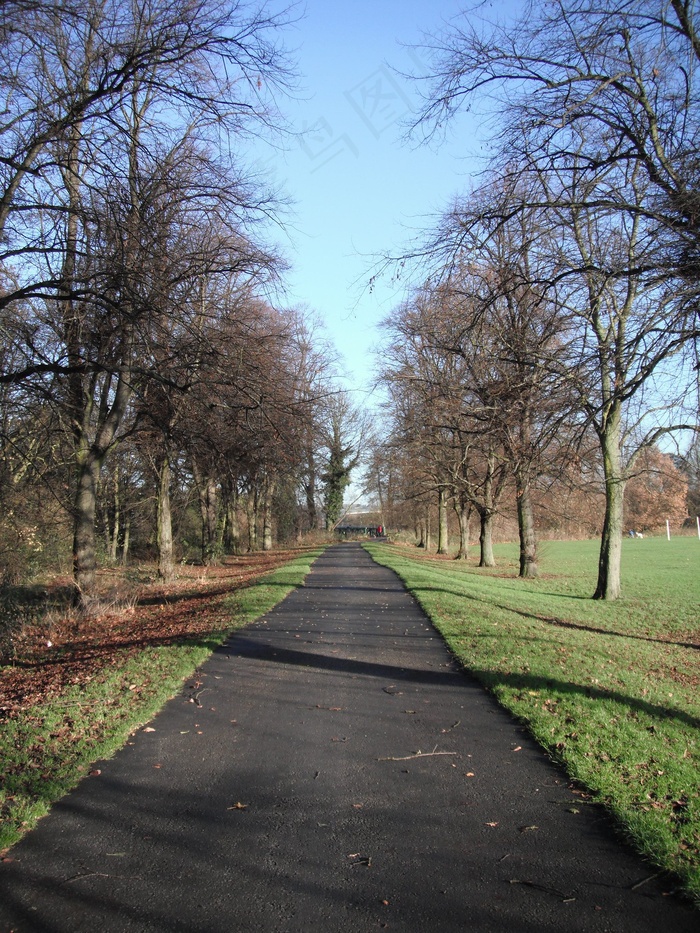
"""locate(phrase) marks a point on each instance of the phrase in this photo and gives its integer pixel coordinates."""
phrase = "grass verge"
(48, 747)
(611, 690)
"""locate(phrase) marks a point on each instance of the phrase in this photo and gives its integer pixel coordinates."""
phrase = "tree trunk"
(420, 532)
(609, 560)
(252, 510)
(486, 516)
(380, 497)
(526, 526)
(428, 542)
(164, 523)
(209, 509)
(463, 510)
(126, 541)
(114, 533)
(107, 531)
(114, 536)
(443, 538)
(310, 490)
(87, 472)
(232, 530)
(84, 551)
(267, 513)
(486, 558)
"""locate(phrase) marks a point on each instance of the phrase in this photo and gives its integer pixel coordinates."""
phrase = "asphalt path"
(331, 769)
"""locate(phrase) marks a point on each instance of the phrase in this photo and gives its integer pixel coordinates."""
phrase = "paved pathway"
(290, 796)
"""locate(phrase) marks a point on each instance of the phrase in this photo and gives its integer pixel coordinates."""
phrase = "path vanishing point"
(335, 772)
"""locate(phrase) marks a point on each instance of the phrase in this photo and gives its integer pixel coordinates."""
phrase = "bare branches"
(120, 195)
(581, 252)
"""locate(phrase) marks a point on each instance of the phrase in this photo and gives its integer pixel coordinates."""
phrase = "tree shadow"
(553, 620)
(246, 646)
(253, 648)
(520, 681)
(595, 630)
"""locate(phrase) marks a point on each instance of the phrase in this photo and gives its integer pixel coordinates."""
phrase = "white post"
(668, 529)
(697, 519)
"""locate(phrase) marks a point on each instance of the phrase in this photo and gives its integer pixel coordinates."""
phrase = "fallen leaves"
(189, 607)
(238, 806)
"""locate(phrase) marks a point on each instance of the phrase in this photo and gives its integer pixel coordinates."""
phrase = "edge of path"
(623, 832)
(110, 707)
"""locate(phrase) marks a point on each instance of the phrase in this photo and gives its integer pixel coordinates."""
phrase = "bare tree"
(432, 377)
(202, 351)
(246, 421)
(504, 318)
(314, 384)
(345, 432)
(609, 143)
(66, 65)
(623, 71)
(625, 344)
(106, 102)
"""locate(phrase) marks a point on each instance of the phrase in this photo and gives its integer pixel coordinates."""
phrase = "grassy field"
(112, 686)
(611, 690)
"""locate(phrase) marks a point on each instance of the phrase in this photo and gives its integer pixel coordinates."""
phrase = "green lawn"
(612, 690)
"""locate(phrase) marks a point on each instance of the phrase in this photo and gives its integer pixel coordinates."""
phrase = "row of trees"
(559, 299)
(141, 349)
(564, 508)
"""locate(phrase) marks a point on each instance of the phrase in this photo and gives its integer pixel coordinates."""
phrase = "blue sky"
(358, 189)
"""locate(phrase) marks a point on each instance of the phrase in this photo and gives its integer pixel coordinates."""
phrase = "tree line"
(146, 364)
(552, 331)
(155, 393)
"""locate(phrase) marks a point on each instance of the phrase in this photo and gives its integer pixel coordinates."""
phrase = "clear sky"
(358, 189)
